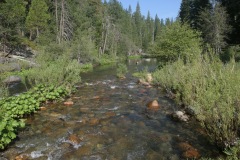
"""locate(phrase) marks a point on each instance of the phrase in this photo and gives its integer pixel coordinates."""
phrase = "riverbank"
(210, 89)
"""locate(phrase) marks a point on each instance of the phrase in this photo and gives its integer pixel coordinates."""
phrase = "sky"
(163, 8)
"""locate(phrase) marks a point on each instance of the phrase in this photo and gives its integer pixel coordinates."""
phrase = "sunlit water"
(109, 121)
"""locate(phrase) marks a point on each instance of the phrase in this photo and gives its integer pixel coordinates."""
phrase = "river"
(109, 121)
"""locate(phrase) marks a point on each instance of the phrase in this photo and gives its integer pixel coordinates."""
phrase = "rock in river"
(153, 105)
(189, 152)
(74, 139)
(180, 116)
(68, 103)
(94, 121)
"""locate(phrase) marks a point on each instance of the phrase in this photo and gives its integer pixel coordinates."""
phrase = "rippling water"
(109, 121)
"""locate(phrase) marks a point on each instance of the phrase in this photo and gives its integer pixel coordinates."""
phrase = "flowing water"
(109, 121)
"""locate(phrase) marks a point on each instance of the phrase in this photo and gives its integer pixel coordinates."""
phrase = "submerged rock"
(22, 157)
(153, 105)
(68, 103)
(94, 121)
(74, 139)
(189, 152)
(43, 108)
(110, 114)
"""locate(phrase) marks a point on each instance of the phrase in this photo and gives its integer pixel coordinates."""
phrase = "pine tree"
(190, 9)
(233, 10)
(37, 18)
(138, 25)
(215, 27)
(157, 27)
(185, 11)
(12, 16)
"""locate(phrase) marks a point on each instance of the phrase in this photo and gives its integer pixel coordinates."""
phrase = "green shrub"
(60, 72)
(142, 74)
(8, 129)
(121, 70)
(211, 89)
(14, 108)
(177, 41)
(134, 57)
(106, 59)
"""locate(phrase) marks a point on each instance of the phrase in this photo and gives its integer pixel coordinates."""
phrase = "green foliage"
(134, 57)
(177, 41)
(142, 74)
(214, 26)
(38, 16)
(8, 129)
(14, 108)
(58, 71)
(84, 50)
(107, 59)
(232, 52)
(211, 89)
(12, 15)
(121, 70)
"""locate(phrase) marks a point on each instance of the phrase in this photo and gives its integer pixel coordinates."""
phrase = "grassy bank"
(211, 89)
(52, 78)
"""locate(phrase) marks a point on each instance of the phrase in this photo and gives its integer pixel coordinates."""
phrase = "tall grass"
(212, 90)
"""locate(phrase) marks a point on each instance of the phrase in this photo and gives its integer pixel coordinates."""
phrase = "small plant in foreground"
(14, 108)
(121, 70)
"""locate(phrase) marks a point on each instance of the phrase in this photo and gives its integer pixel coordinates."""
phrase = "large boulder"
(12, 79)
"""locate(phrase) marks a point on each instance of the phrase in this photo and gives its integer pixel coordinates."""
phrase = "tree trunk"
(57, 23)
(37, 30)
(30, 36)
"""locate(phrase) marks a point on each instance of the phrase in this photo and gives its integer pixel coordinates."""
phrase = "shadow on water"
(109, 121)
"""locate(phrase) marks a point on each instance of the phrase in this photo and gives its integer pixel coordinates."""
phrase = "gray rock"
(180, 116)
(3, 60)
(15, 67)
(12, 79)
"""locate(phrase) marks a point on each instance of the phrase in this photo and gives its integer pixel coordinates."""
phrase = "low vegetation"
(204, 84)
(121, 70)
(15, 108)
(211, 89)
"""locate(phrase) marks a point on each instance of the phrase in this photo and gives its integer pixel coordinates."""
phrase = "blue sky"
(163, 8)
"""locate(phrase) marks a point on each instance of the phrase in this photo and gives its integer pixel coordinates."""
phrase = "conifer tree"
(12, 16)
(138, 25)
(37, 18)
(215, 27)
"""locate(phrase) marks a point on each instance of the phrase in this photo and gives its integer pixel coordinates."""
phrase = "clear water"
(109, 122)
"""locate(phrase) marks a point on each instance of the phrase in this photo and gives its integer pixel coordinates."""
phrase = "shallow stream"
(109, 121)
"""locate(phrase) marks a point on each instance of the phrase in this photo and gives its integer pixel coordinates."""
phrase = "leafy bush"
(60, 72)
(8, 129)
(212, 90)
(142, 74)
(177, 41)
(121, 70)
(14, 108)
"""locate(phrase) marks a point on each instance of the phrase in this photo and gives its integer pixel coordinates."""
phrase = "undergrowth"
(212, 90)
